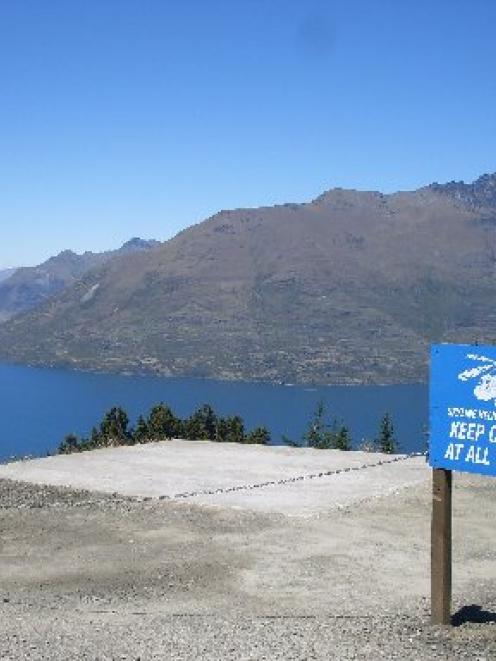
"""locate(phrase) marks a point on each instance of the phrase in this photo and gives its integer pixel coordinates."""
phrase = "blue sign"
(463, 408)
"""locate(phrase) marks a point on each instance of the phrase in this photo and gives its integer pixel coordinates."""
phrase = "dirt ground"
(86, 575)
(274, 479)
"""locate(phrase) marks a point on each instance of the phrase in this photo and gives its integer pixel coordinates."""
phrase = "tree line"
(324, 435)
(204, 424)
(162, 424)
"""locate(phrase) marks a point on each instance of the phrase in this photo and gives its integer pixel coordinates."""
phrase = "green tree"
(162, 423)
(114, 428)
(316, 427)
(71, 443)
(343, 439)
(259, 436)
(94, 440)
(222, 430)
(141, 433)
(230, 429)
(387, 440)
(202, 424)
(320, 434)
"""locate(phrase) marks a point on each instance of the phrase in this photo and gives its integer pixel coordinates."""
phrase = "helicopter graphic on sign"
(485, 389)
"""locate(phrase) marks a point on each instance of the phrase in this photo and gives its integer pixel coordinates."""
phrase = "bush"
(368, 445)
(71, 443)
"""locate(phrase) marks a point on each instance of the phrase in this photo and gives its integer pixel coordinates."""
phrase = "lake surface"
(39, 406)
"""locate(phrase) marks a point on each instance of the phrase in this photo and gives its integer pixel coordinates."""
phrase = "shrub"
(71, 443)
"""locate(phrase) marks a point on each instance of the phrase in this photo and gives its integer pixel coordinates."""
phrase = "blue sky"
(140, 117)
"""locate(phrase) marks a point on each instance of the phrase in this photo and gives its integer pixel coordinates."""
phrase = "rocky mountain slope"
(27, 288)
(349, 288)
(6, 273)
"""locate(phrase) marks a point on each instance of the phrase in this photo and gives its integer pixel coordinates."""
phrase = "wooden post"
(441, 546)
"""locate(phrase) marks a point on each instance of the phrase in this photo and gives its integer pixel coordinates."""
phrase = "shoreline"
(220, 379)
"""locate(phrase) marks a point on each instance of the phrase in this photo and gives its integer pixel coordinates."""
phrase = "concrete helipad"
(287, 480)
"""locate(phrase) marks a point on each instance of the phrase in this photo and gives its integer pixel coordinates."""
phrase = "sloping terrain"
(27, 288)
(6, 273)
(293, 481)
(349, 288)
(91, 576)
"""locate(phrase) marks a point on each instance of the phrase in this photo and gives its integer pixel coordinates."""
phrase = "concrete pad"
(293, 481)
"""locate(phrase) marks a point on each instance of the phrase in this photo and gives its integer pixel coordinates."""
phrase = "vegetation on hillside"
(162, 424)
(387, 440)
(321, 292)
(204, 424)
(323, 434)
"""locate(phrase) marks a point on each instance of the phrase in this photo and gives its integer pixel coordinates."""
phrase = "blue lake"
(38, 407)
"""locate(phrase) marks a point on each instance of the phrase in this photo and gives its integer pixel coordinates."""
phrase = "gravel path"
(187, 637)
(99, 576)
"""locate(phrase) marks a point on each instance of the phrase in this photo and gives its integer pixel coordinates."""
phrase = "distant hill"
(348, 288)
(27, 288)
(6, 273)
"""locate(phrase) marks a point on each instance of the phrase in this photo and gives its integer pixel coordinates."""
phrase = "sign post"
(441, 547)
(462, 413)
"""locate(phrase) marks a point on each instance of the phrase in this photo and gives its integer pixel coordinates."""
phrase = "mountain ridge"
(6, 273)
(28, 287)
(350, 287)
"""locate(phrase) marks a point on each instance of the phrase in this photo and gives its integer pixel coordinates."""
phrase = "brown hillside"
(348, 288)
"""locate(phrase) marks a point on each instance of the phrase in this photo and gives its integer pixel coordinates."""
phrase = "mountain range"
(27, 288)
(351, 287)
(6, 273)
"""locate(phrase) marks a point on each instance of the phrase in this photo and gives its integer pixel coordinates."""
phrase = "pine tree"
(222, 430)
(387, 441)
(94, 440)
(114, 427)
(141, 433)
(230, 429)
(343, 439)
(317, 427)
(162, 423)
(320, 434)
(202, 424)
(259, 436)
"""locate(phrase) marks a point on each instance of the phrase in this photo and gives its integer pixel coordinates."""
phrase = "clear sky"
(140, 117)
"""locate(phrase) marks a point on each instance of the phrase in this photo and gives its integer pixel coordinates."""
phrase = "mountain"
(349, 288)
(136, 245)
(6, 273)
(27, 288)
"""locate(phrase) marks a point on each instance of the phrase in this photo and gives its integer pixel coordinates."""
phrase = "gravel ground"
(266, 479)
(99, 576)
